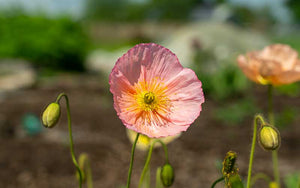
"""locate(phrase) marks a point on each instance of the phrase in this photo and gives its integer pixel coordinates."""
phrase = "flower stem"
(131, 160)
(270, 105)
(272, 122)
(256, 118)
(217, 181)
(146, 166)
(70, 136)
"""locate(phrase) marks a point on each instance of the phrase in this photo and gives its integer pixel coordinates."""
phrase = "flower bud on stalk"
(269, 137)
(229, 163)
(51, 115)
(167, 175)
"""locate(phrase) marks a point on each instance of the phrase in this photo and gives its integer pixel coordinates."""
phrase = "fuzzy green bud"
(51, 115)
(167, 175)
(269, 137)
(229, 163)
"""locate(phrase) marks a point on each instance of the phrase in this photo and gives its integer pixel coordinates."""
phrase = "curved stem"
(146, 166)
(70, 135)
(217, 181)
(257, 117)
(260, 176)
(131, 160)
(272, 122)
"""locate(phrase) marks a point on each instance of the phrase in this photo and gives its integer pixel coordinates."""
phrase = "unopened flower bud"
(51, 115)
(229, 163)
(269, 137)
(273, 185)
(167, 175)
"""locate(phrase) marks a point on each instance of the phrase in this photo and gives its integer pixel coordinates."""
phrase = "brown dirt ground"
(44, 160)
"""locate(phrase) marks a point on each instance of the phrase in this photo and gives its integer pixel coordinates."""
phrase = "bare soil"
(44, 160)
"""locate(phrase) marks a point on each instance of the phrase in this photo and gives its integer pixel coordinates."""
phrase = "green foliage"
(260, 18)
(234, 113)
(110, 10)
(121, 11)
(227, 82)
(220, 81)
(292, 180)
(291, 90)
(286, 117)
(171, 9)
(47, 43)
(291, 39)
(224, 81)
(294, 5)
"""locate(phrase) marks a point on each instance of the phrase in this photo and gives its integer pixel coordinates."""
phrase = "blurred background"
(53, 46)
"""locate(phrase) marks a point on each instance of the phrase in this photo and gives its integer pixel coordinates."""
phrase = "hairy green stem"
(146, 166)
(257, 117)
(70, 136)
(272, 122)
(217, 181)
(131, 160)
(260, 176)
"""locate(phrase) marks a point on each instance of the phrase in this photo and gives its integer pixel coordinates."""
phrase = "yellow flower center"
(149, 97)
(150, 100)
(147, 101)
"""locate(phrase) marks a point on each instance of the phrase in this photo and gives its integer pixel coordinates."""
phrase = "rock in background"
(223, 40)
(15, 74)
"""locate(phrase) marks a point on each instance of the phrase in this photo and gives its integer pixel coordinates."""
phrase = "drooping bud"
(167, 175)
(51, 115)
(273, 184)
(229, 163)
(269, 137)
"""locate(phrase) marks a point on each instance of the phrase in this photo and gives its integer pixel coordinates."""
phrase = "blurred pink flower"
(276, 64)
(153, 94)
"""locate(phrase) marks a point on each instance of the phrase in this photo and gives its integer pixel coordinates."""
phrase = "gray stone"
(15, 74)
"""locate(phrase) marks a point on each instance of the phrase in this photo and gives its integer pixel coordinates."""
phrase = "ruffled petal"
(129, 65)
(281, 53)
(288, 77)
(178, 93)
(249, 69)
(186, 96)
(121, 89)
(159, 62)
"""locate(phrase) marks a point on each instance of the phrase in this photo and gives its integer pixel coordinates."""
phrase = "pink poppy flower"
(153, 94)
(276, 64)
